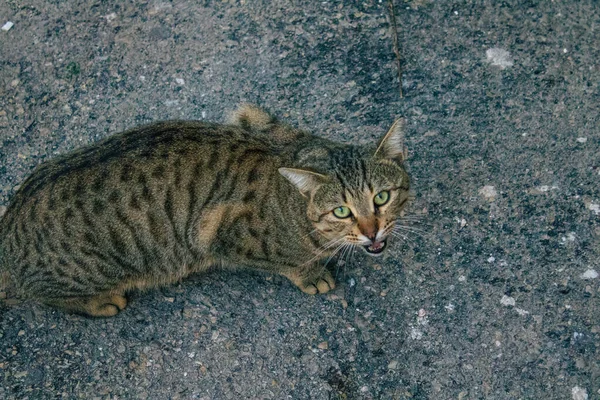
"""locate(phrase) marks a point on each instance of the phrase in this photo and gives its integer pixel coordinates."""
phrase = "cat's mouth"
(376, 248)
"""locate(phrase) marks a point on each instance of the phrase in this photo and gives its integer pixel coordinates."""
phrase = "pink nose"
(368, 227)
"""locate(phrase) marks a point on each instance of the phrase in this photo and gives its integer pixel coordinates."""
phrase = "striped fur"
(154, 204)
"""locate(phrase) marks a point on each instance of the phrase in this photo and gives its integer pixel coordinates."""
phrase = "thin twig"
(395, 39)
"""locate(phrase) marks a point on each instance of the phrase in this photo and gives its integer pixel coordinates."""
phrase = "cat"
(152, 205)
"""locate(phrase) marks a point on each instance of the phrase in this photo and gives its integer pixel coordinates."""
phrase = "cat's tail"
(255, 119)
(249, 116)
(4, 275)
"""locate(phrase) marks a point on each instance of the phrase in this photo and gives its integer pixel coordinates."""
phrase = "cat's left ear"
(391, 147)
(306, 181)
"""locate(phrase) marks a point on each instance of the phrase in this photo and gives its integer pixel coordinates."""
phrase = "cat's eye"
(342, 212)
(381, 198)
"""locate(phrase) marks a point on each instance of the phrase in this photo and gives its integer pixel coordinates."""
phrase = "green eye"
(342, 212)
(381, 198)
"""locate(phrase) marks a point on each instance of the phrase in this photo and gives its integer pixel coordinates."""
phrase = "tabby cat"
(154, 204)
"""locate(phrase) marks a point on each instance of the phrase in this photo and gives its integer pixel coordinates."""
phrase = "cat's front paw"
(321, 284)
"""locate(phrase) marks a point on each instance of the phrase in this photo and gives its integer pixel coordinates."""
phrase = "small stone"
(323, 345)
(170, 299)
(6, 27)
(594, 207)
(507, 301)
(579, 393)
(393, 364)
(21, 333)
(489, 192)
(582, 139)
(589, 274)
(499, 57)
(180, 81)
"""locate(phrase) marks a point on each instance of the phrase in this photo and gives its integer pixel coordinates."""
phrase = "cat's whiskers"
(337, 249)
(310, 233)
(347, 251)
(323, 249)
(411, 229)
(414, 219)
(404, 238)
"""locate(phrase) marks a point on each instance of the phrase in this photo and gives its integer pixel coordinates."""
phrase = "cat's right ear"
(391, 147)
(306, 181)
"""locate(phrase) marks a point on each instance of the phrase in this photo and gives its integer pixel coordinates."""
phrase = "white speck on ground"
(180, 81)
(461, 221)
(579, 393)
(589, 274)
(499, 57)
(491, 259)
(450, 307)
(110, 17)
(582, 139)
(546, 188)
(595, 207)
(507, 301)
(489, 192)
(462, 278)
(415, 333)
(571, 236)
(521, 312)
(6, 27)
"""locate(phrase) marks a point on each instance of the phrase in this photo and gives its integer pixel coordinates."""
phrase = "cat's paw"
(107, 305)
(322, 284)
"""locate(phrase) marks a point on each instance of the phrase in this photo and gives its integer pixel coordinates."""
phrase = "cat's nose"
(368, 228)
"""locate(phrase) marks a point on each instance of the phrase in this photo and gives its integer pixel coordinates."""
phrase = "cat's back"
(141, 147)
(132, 199)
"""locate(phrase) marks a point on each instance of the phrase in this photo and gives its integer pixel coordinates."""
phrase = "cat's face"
(359, 195)
(362, 208)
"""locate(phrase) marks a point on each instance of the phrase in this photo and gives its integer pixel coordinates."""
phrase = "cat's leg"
(313, 280)
(102, 305)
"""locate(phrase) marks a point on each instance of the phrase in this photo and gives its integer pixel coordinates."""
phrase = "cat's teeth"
(376, 247)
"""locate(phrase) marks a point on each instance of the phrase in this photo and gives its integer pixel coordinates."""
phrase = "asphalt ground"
(496, 296)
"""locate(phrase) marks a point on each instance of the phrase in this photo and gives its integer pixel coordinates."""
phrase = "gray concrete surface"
(492, 302)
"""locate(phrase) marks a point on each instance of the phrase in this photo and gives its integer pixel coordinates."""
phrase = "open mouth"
(375, 248)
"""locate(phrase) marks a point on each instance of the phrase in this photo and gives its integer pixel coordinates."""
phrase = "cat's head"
(354, 195)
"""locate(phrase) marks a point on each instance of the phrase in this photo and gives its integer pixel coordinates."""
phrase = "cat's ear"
(249, 116)
(391, 147)
(306, 181)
